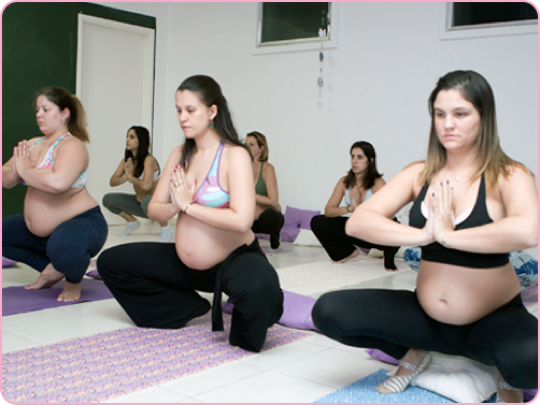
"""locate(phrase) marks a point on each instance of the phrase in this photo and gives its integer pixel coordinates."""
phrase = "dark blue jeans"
(69, 248)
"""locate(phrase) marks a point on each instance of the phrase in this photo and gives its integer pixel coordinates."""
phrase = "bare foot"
(71, 292)
(48, 277)
(352, 256)
(508, 394)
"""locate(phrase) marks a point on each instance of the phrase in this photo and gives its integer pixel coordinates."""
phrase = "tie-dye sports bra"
(210, 193)
(48, 162)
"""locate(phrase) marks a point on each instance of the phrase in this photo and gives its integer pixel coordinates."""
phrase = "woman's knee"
(273, 218)
(109, 202)
(256, 290)
(326, 312)
(108, 261)
(144, 204)
(317, 223)
(519, 367)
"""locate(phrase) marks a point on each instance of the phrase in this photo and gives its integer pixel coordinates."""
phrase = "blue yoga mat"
(17, 300)
(363, 391)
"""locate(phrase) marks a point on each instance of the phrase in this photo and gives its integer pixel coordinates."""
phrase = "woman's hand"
(180, 190)
(440, 208)
(355, 198)
(129, 168)
(21, 158)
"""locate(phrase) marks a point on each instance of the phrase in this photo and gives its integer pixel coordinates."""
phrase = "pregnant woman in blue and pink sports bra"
(62, 226)
(208, 185)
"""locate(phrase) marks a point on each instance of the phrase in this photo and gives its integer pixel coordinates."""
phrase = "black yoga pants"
(339, 245)
(270, 222)
(393, 321)
(157, 290)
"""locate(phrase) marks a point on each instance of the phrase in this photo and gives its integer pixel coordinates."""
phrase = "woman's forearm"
(506, 235)
(117, 181)
(161, 212)
(376, 228)
(265, 201)
(333, 212)
(9, 178)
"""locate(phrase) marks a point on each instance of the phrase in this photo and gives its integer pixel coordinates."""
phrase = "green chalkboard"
(288, 21)
(39, 49)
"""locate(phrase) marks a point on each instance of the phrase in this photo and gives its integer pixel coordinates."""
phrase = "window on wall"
(293, 23)
(463, 20)
(475, 14)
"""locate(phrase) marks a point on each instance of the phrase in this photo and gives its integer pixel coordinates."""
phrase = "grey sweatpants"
(118, 202)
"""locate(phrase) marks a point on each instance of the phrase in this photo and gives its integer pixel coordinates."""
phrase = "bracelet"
(185, 209)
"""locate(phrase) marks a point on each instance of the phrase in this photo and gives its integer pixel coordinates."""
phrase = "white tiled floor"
(299, 372)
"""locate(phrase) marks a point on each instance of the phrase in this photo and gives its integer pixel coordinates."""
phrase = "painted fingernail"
(447, 181)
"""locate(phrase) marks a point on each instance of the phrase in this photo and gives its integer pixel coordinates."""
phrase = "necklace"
(462, 174)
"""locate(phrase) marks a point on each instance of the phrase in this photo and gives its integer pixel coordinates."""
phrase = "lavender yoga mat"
(106, 365)
(17, 300)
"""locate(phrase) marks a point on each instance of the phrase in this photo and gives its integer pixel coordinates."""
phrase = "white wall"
(377, 81)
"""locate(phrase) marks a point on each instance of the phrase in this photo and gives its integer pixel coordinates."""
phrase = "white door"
(115, 82)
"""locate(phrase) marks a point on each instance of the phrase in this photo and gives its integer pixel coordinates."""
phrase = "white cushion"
(306, 237)
(458, 378)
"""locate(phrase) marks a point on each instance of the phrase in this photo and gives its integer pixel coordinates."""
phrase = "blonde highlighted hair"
(261, 141)
(491, 160)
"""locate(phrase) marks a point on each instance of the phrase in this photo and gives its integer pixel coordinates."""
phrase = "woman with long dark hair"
(472, 206)
(62, 226)
(142, 170)
(360, 183)
(208, 184)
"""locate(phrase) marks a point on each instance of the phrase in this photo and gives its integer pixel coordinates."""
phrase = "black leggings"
(157, 290)
(339, 245)
(270, 222)
(393, 321)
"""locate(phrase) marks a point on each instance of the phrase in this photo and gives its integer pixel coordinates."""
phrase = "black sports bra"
(479, 216)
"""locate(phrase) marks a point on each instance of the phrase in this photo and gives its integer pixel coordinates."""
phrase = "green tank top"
(260, 187)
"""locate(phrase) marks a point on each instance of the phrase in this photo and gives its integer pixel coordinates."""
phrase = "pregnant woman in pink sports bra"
(208, 184)
(62, 227)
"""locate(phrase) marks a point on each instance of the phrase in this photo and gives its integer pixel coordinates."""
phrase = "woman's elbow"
(531, 237)
(59, 186)
(243, 225)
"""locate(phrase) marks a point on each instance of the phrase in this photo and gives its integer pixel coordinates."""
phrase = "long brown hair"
(371, 174)
(209, 92)
(143, 150)
(77, 116)
(492, 161)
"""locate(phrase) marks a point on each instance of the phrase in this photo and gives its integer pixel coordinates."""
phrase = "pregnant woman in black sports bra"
(472, 205)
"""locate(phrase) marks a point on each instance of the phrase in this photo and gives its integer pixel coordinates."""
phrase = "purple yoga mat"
(17, 300)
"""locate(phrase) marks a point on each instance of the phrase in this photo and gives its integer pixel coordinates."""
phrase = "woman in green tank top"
(268, 217)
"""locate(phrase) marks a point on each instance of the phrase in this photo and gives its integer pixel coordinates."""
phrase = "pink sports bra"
(210, 192)
(48, 162)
